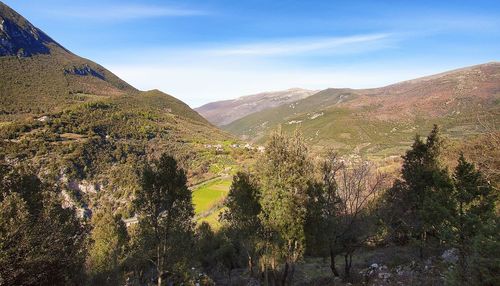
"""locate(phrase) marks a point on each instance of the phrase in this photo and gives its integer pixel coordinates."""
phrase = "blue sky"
(201, 51)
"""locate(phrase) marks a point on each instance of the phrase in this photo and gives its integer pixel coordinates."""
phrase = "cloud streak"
(286, 47)
(124, 12)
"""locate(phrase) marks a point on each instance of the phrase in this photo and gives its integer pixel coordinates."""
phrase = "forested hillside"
(81, 127)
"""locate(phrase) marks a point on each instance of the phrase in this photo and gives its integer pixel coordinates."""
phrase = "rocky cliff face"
(19, 37)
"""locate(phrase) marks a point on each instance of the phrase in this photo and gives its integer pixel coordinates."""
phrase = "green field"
(213, 219)
(210, 194)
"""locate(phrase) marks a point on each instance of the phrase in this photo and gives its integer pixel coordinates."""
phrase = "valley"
(102, 183)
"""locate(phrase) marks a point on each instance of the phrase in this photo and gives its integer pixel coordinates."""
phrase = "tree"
(323, 209)
(358, 186)
(165, 210)
(41, 243)
(338, 212)
(216, 251)
(474, 202)
(285, 175)
(242, 215)
(485, 256)
(107, 252)
(419, 203)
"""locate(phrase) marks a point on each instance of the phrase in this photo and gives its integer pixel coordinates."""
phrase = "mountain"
(382, 121)
(224, 112)
(80, 126)
(35, 68)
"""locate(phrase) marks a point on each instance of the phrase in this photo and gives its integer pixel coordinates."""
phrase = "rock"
(67, 202)
(450, 255)
(84, 186)
(399, 271)
(84, 70)
(384, 275)
(374, 266)
(253, 282)
(44, 118)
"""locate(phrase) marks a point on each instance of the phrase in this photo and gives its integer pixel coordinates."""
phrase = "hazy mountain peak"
(226, 111)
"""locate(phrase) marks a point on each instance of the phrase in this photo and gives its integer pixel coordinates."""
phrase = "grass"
(207, 199)
(208, 195)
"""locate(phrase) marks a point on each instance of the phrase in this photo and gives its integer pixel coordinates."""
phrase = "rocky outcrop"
(84, 186)
(450, 256)
(84, 70)
(69, 202)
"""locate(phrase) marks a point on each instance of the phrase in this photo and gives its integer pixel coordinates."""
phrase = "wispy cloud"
(124, 12)
(231, 69)
(285, 47)
(197, 85)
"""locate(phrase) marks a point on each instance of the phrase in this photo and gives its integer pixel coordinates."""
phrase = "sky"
(208, 50)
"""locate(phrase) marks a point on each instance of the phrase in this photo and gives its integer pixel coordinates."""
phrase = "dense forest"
(287, 210)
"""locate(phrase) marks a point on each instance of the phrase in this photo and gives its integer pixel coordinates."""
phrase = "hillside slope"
(382, 121)
(80, 126)
(224, 112)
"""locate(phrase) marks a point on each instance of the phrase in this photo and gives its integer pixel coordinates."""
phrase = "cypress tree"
(474, 211)
(285, 174)
(420, 200)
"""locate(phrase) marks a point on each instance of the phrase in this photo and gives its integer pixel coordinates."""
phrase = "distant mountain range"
(382, 121)
(224, 112)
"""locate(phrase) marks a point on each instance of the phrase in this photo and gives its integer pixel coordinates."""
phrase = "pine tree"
(41, 243)
(108, 249)
(421, 199)
(323, 210)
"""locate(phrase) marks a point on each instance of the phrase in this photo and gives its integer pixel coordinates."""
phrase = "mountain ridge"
(385, 117)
